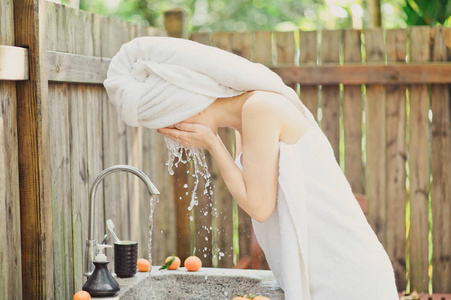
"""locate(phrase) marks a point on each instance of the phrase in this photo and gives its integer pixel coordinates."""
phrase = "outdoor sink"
(207, 283)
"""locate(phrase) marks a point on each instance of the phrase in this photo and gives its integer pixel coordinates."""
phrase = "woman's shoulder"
(277, 110)
(264, 102)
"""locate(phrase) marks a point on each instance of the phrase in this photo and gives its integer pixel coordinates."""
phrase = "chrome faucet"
(91, 243)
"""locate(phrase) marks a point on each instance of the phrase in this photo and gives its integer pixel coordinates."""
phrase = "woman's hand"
(190, 135)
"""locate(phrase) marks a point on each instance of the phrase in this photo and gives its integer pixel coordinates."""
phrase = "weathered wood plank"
(396, 148)
(134, 158)
(7, 23)
(202, 212)
(164, 236)
(109, 142)
(34, 159)
(81, 40)
(10, 247)
(141, 208)
(307, 56)
(175, 23)
(13, 63)
(375, 104)
(222, 221)
(201, 37)
(10, 251)
(419, 165)
(242, 45)
(330, 95)
(61, 132)
(286, 48)
(61, 189)
(352, 116)
(369, 73)
(441, 169)
(95, 98)
(77, 68)
(263, 48)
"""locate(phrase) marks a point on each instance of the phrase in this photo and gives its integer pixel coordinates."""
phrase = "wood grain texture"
(242, 45)
(175, 23)
(396, 148)
(77, 68)
(330, 95)
(222, 220)
(95, 97)
(164, 236)
(201, 37)
(34, 159)
(80, 26)
(441, 168)
(286, 49)
(419, 165)
(375, 107)
(352, 115)
(369, 73)
(10, 242)
(263, 48)
(10, 250)
(202, 212)
(308, 57)
(61, 189)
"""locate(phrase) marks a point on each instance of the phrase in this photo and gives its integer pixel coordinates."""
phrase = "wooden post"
(374, 9)
(176, 23)
(34, 159)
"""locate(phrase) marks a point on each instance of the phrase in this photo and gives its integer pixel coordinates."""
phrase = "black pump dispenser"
(101, 283)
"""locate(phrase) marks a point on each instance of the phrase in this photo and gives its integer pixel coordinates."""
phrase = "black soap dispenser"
(101, 283)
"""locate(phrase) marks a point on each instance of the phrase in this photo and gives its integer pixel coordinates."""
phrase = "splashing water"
(200, 166)
(153, 200)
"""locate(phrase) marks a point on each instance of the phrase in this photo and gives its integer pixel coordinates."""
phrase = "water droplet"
(185, 186)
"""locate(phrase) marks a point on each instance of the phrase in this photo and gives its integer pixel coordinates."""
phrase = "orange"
(240, 298)
(261, 298)
(82, 295)
(143, 265)
(193, 263)
(175, 264)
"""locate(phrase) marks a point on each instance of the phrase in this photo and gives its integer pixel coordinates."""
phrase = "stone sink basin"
(207, 283)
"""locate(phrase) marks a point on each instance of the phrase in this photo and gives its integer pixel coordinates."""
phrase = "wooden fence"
(387, 118)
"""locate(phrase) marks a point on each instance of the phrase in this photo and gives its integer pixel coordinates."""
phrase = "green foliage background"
(242, 15)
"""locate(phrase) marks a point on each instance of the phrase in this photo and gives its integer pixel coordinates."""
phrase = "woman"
(316, 239)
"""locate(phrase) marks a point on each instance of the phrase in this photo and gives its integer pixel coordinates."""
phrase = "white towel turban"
(160, 81)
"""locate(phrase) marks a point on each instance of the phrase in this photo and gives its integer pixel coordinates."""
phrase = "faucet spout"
(91, 243)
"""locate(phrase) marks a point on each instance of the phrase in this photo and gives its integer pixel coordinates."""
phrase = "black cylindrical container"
(125, 258)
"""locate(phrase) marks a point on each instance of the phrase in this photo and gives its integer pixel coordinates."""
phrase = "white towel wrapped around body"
(160, 81)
